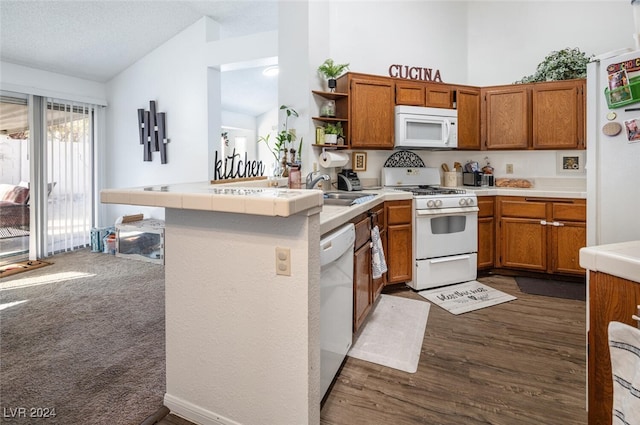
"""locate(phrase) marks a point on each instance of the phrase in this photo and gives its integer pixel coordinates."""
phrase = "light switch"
(283, 261)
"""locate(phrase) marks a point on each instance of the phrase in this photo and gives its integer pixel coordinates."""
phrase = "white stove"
(445, 236)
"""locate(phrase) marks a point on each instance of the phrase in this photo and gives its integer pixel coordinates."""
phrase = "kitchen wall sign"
(414, 73)
(233, 167)
(152, 132)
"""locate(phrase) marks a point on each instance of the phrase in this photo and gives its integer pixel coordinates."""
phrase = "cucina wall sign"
(415, 73)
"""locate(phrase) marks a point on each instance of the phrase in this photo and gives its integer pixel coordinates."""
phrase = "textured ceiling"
(98, 39)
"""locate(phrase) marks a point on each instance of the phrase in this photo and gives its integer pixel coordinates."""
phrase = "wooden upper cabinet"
(416, 93)
(410, 93)
(558, 110)
(371, 124)
(506, 117)
(438, 96)
(469, 113)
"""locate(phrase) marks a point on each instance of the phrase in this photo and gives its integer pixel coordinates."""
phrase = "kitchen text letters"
(414, 73)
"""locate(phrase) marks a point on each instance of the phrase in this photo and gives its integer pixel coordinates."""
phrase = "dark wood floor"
(522, 362)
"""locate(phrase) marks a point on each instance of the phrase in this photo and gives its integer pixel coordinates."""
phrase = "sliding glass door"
(69, 168)
(14, 177)
(47, 196)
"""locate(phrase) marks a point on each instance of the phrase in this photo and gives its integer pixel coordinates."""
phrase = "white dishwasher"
(336, 301)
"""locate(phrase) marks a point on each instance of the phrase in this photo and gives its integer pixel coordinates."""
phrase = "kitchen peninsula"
(242, 342)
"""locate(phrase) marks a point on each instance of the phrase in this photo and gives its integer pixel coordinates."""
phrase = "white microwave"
(419, 127)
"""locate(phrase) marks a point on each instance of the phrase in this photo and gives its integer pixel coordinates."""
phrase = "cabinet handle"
(543, 222)
(557, 224)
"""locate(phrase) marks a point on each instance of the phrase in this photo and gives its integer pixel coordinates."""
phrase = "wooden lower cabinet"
(486, 232)
(399, 253)
(362, 285)
(610, 299)
(394, 223)
(540, 234)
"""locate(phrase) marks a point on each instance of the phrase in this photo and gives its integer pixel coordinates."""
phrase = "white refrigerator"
(613, 148)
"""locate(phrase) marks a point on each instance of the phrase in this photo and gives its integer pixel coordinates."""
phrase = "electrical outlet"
(283, 261)
(509, 168)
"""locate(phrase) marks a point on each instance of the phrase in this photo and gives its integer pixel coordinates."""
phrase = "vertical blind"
(69, 168)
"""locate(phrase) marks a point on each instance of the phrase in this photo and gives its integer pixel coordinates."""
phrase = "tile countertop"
(251, 199)
(617, 259)
(222, 198)
(333, 216)
(542, 188)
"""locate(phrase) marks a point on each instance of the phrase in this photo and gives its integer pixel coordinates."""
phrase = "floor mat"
(553, 288)
(465, 297)
(23, 266)
(393, 333)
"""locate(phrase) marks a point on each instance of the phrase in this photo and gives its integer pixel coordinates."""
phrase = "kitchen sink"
(347, 198)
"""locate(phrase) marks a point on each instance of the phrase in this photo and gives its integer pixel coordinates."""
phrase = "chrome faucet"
(311, 182)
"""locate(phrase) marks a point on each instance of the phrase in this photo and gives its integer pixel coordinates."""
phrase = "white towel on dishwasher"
(624, 346)
(378, 263)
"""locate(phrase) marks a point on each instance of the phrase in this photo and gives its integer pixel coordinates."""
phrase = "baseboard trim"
(195, 414)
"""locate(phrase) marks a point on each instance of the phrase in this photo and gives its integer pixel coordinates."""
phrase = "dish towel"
(378, 264)
(624, 345)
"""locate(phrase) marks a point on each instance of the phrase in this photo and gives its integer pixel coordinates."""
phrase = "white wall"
(476, 43)
(22, 79)
(175, 76)
(507, 40)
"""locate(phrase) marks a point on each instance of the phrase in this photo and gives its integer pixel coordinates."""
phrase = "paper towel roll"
(328, 159)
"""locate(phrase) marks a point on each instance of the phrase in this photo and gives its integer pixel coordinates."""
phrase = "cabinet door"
(610, 299)
(566, 241)
(558, 115)
(468, 103)
(410, 93)
(438, 96)
(523, 244)
(400, 258)
(372, 113)
(399, 253)
(507, 117)
(486, 232)
(378, 284)
(378, 219)
(361, 285)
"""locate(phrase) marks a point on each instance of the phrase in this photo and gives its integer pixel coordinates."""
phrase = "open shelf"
(330, 146)
(330, 95)
(330, 119)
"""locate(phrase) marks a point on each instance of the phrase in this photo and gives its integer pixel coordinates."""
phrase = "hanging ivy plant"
(564, 64)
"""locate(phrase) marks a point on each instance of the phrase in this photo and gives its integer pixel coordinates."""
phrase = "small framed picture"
(619, 87)
(359, 161)
(633, 130)
(570, 162)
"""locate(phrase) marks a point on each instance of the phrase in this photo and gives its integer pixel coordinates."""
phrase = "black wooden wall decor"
(153, 132)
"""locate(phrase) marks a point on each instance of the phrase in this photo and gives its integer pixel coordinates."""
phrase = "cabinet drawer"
(398, 212)
(523, 209)
(570, 211)
(379, 218)
(363, 232)
(486, 206)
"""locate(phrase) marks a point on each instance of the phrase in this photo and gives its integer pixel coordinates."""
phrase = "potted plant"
(284, 142)
(331, 71)
(565, 64)
(331, 133)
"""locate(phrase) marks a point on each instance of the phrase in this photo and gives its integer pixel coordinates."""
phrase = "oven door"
(439, 234)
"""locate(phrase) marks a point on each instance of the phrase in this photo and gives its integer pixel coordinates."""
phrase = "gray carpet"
(90, 345)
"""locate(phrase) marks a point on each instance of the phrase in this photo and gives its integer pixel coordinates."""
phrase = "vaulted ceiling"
(98, 39)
